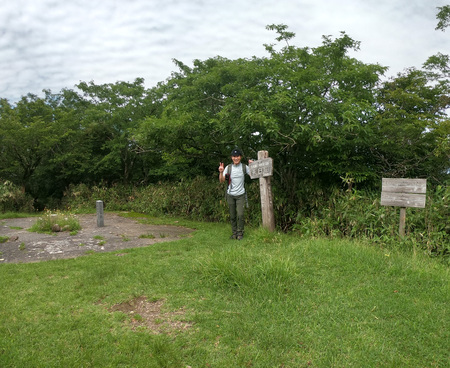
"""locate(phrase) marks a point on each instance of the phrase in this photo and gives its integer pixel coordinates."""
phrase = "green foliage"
(49, 143)
(309, 108)
(199, 199)
(10, 215)
(26, 136)
(12, 198)
(413, 127)
(112, 113)
(443, 17)
(147, 236)
(355, 214)
(358, 214)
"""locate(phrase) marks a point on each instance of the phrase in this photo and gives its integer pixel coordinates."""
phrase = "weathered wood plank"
(261, 168)
(403, 199)
(403, 193)
(404, 185)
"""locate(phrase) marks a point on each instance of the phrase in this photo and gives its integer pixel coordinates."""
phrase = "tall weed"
(199, 199)
(359, 214)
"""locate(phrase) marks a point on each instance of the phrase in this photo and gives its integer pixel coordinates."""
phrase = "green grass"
(9, 215)
(147, 236)
(271, 300)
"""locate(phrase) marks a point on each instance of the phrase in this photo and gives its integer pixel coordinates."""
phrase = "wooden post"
(265, 189)
(100, 217)
(401, 228)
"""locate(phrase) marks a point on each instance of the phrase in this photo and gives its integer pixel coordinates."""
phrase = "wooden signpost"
(263, 169)
(403, 193)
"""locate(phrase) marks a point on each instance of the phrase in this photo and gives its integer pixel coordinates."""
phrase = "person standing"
(234, 175)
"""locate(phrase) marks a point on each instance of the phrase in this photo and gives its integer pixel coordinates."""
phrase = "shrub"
(359, 214)
(53, 222)
(12, 198)
(201, 198)
(333, 213)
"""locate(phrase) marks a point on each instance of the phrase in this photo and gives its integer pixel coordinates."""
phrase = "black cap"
(236, 152)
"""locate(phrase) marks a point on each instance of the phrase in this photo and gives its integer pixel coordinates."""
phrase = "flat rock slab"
(118, 233)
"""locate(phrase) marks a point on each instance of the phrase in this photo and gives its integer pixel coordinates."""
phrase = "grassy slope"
(269, 301)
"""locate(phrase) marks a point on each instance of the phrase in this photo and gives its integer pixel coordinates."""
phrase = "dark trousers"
(236, 205)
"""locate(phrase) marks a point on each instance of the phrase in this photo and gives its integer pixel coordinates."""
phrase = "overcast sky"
(51, 44)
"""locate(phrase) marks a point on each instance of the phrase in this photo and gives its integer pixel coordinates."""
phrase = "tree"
(443, 17)
(413, 127)
(27, 136)
(113, 112)
(192, 134)
(310, 108)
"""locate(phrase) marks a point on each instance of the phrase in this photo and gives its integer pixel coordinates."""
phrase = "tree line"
(327, 119)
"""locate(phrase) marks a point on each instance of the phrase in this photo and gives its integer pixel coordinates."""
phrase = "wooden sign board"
(261, 168)
(402, 200)
(403, 192)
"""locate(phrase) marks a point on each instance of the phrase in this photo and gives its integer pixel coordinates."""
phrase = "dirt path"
(118, 233)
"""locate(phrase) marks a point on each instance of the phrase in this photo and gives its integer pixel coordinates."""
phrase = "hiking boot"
(234, 236)
(240, 237)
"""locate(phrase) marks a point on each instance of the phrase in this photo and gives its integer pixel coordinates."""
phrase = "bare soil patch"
(118, 233)
(146, 314)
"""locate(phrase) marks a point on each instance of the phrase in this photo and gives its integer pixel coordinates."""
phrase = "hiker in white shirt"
(234, 175)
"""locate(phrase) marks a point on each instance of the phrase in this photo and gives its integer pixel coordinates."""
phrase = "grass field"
(271, 300)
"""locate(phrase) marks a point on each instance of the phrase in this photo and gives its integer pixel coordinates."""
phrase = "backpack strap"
(228, 168)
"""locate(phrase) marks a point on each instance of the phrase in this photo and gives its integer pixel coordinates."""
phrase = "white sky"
(51, 44)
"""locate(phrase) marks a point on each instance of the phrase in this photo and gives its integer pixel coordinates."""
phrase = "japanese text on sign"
(261, 168)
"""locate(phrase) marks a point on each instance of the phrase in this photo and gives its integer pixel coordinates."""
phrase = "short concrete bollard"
(100, 218)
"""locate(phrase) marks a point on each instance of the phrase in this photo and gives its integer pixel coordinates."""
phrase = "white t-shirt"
(236, 186)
